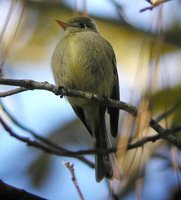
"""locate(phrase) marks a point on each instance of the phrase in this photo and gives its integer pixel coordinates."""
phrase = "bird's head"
(77, 24)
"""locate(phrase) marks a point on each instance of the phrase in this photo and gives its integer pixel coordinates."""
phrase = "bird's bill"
(62, 24)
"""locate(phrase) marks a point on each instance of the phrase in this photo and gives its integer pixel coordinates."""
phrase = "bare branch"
(154, 138)
(149, 1)
(168, 112)
(70, 167)
(31, 85)
(154, 4)
(120, 11)
(41, 146)
(68, 153)
(12, 92)
(42, 139)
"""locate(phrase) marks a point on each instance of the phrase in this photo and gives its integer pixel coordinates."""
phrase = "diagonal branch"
(42, 139)
(156, 137)
(45, 148)
(68, 153)
(168, 112)
(31, 85)
(70, 167)
(12, 92)
(154, 4)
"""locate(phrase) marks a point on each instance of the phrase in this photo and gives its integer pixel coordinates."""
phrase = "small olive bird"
(84, 60)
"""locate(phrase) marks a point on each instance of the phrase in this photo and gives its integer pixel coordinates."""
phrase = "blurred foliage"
(173, 34)
(39, 21)
(38, 27)
(40, 169)
(37, 36)
(165, 99)
(72, 134)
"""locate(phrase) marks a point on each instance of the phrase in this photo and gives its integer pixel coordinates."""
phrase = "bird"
(84, 60)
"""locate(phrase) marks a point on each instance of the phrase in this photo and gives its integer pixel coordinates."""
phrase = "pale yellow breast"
(83, 61)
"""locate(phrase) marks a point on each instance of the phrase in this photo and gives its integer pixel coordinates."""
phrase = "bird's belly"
(88, 79)
(83, 67)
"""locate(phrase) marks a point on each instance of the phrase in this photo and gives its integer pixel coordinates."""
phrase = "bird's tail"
(94, 120)
(103, 162)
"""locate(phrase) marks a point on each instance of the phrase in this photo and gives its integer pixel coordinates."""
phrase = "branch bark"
(154, 4)
(70, 167)
(77, 154)
(51, 145)
(32, 85)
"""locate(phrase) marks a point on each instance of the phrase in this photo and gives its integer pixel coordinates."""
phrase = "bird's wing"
(113, 112)
(79, 112)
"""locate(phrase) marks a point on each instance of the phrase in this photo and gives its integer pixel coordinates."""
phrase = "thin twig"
(16, 28)
(69, 153)
(42, 139)
(153, 4)
(168, 112)
(31, 85)
(12, 92)
(120, 11)
(43, 147)
(70, 167)
(149, 1)
(154, 138)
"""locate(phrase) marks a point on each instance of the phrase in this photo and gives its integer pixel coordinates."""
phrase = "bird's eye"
(81, 25)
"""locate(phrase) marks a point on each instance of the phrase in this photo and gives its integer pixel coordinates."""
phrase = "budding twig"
(70, 167)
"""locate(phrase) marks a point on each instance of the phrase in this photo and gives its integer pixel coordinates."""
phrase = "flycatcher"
(85, 61)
